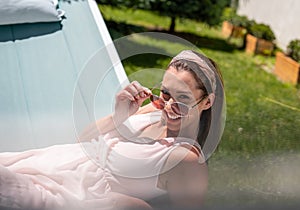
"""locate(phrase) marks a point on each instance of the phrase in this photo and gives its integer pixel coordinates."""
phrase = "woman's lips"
(171, 117)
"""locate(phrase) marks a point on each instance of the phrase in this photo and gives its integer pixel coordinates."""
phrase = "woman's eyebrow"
(177, 91)
(184, 92)
(163, 87)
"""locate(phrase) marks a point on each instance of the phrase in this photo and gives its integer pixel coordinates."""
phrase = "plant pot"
(255, 45)
(238, 32)
(286, 69)
(229, 30)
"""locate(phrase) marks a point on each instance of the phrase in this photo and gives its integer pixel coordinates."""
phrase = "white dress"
(82, 175)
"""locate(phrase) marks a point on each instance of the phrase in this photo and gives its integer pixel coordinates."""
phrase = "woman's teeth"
(173, 117)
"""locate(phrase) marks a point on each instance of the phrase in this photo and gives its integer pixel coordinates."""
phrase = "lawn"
(257, 161)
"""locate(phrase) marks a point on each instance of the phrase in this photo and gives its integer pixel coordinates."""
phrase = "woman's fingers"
(129, 100)
(137, 90)
(125, 95)
(132, 90)
(140, 90)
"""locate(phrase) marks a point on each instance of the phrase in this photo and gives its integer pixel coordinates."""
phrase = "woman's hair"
(204, 84)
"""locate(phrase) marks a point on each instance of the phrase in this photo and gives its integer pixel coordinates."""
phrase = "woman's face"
(182, 87)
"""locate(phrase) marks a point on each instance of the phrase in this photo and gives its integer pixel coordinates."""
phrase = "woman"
(137, 154)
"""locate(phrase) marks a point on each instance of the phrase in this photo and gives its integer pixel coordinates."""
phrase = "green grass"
(255, 122)
(263, 114)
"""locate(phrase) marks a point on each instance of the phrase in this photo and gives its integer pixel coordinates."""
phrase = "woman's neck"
(171, 133)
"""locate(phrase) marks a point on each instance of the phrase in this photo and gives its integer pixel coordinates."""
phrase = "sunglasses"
(178, 108)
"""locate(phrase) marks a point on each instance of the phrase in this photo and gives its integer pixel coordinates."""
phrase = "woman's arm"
(187, 181)
(128, 102)
(125, 202)
(98, 128)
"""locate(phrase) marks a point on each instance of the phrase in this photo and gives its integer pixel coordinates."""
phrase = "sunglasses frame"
(174, 103)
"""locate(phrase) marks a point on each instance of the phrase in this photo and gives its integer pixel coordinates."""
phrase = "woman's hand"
(129, 100)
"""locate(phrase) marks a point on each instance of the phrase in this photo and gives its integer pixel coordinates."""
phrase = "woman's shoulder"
(188, 148)
(183, 156)
(185, 153)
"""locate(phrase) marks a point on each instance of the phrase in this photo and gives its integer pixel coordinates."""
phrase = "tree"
(208, 11)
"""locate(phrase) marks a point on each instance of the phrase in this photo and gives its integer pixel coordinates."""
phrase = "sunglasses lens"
(166, 97)
(180, 109)
(157, 102)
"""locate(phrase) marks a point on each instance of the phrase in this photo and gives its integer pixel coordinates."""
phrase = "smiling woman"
(138, 154)
(191, 83)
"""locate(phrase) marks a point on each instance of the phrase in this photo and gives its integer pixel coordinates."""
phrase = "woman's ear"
(208, 102)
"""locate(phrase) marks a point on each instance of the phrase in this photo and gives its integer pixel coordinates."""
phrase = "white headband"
(189, 55)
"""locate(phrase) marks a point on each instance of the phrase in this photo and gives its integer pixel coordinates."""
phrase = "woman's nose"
(168, 104)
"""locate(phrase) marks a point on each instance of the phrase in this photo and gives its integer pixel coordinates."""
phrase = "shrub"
(293, 50)
(261, 31)
(230, 15)
(240, 20)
